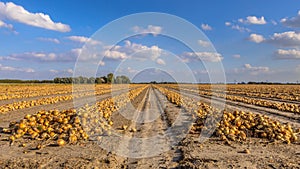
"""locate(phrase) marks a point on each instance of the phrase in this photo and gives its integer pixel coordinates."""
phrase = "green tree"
(91, 80)
(110, 78)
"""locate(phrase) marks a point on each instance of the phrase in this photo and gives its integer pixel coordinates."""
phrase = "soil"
(152, 116)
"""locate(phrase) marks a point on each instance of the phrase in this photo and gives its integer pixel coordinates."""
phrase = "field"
(149, 126)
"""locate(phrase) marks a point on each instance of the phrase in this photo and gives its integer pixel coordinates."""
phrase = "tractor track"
(152, 145)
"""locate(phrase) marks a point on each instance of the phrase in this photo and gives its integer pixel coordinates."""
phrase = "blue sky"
(254, 40)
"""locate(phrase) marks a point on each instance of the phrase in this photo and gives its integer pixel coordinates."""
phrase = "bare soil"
(152, 116)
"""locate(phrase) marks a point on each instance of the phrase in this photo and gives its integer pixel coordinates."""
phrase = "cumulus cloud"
(287, 54)
(5, 25)
(240, 28)
(131, 70)
(252, 70)
(237, 27)
(228, 23)
(82, 39)
(204, 43)
(44, 57)
(160, 61)
(236, 56)
(65, 72)
(53, 40)
(150, 29)
(293, 22)
(273, 22)
(253, 20)
(285, 39)
(70, 71)
(206, 27)
(134, 51)
(202, 56)
(13, 12)
(53, 71)
(128, 51)
(256, 38)
(15, 69)
(115, 55)
(101, 63)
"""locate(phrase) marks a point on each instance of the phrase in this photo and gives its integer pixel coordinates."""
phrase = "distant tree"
(98, 80)
(110, 78)
(75, 80)
(103, 79)
(56, 80)
(92, 80)
(122, 80)
(118, 80)
(85, 80)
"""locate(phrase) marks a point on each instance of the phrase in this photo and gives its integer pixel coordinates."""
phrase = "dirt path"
(154, 144)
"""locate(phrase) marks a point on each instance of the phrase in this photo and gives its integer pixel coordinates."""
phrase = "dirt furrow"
(154, 144)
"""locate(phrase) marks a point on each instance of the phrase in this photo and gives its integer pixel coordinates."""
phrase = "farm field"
(250, 126)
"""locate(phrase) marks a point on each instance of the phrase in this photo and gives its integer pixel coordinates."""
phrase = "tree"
(110, 78)
(122, 80)
(103, 79)
(91, 80)
(56, 80)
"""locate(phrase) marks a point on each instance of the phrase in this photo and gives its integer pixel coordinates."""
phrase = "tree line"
(108, 79)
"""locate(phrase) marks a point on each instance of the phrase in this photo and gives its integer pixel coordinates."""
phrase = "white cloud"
(206, 27)
(101, 63)
(69, 71)
(285, 39)
(65, 72)
(17, 13)
(236, 56)
(82, 39)
(201, 72)
(204, 43)
(256, 38)
(28, 70)
(150, 29)
(130, 70)
(160, 61)
(116, 55)
(287, 54)
(53, 71)
(134, 51)
(128, 51)
(273, 22)
(202, 56)
(44, 57)
(228, 23)
(5, 25)
(253, 20)
(53, 40)
(293, 22)
(252, 70)
(15, 69)
(240, 28)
